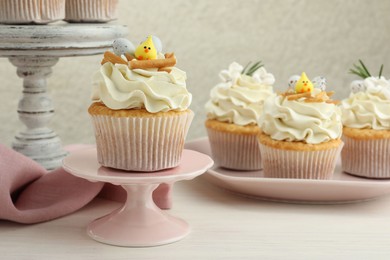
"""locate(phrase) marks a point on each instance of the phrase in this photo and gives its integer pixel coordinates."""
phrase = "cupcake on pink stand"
(140, 107)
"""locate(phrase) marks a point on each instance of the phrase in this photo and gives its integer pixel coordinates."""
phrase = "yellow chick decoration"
(146, 50)
(303, 84)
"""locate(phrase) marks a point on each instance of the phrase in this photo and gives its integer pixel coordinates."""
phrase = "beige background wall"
(289, 36)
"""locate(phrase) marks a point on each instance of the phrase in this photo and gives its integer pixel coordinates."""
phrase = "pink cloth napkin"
(29, 194)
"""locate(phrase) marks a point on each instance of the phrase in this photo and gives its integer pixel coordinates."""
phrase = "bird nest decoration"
(147, 55)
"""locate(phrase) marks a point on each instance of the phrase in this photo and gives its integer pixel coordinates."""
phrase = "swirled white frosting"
(239, 98)
(119, 87)
(297, 120)
(368, 107)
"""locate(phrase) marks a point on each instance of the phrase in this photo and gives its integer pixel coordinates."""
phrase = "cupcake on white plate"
(234, 107)
(366, 120)
(301, 131)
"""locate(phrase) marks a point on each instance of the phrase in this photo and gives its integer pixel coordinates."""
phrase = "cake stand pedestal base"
(139, 222)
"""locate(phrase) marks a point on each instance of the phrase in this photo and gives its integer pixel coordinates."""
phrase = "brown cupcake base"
(31, 11)
(234, 147)
(366, 153)
(90, 11)
(136, 140)
(298, 160)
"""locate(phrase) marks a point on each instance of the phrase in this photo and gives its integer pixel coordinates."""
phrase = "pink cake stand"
(139, 222)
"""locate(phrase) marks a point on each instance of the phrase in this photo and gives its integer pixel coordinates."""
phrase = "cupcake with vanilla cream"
(234, 107)
(301, 132)
(366, 120)
(140, 108)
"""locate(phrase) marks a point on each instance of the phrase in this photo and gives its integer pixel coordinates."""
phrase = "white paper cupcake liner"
(90, 10)
(235, 151)
(366, 158)
(141, 143)
(31, 11)
(292, 164)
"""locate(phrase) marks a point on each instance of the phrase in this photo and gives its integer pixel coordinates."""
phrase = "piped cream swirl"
(239, 98)
(370, 107)
(297, 120)
(119, 87)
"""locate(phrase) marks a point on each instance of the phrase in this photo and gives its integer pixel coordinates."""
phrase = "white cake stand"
(139, 222)
(34, 50)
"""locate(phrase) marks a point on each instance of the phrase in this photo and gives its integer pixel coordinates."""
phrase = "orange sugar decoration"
(169, 61)
(298, 96)
(330, 93)
(113, 58)
(322, 96)
(160, 64)
(129, 57)
(336, 102)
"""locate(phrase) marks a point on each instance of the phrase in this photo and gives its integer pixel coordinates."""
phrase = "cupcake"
(301, 131)
(90, 11)
(366, 120)
(140, 108)
(235, 105)
(31, 11)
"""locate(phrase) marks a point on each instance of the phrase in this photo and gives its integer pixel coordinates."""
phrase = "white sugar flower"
(232, 74)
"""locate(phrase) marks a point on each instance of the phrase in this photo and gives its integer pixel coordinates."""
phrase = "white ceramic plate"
(342, 188)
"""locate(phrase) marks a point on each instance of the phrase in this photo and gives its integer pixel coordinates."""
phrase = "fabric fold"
(29, 194)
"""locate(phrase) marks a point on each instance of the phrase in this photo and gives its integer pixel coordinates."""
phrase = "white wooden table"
(224, 226)
(34, 50)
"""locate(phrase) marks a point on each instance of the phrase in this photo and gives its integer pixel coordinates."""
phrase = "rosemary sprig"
(362, 71)
(364, 68)
(250, 69)
(380, 71)
(245, 68)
